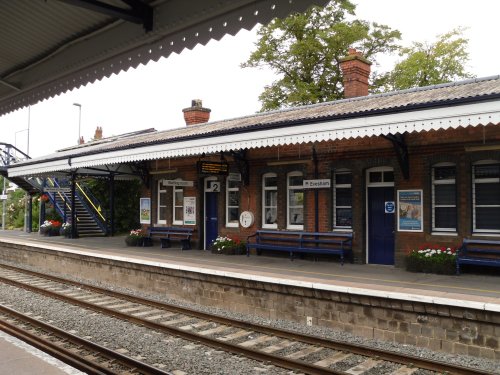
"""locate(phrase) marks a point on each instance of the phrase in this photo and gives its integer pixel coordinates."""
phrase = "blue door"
(380, 226)
(211, 221)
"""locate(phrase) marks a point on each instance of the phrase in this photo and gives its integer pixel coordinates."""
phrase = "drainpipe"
(316, 192)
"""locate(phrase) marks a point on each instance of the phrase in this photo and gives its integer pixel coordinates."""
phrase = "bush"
(432, 259)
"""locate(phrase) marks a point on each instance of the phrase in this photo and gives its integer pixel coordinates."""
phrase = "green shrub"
(432, 259)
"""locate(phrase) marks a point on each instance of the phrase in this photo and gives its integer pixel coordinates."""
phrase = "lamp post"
(79, 120)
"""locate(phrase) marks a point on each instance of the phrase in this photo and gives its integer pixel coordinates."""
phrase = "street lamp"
(79, 120)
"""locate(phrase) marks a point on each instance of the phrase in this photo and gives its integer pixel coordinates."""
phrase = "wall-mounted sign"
(234, 177)
(317, 184)
(213, 167)
(178, 183)
(410, 211)
(189, 210)
(145, 211)
(213, 186)
(247, 219)
(389, 207)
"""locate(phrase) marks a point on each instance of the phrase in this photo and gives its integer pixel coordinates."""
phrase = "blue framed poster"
(410, 211)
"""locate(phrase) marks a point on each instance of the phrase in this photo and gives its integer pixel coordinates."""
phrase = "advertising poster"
(145, 211)
(410, 211)
(189, 210)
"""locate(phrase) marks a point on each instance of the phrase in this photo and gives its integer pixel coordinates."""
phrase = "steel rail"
(358, 349)
(65, 355)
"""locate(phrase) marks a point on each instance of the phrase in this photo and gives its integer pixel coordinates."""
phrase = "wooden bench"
(478, 252)
(302, 242)
(167, 234)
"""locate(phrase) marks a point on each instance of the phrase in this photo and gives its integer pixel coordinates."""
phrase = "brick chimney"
(81, 141)
(196, 114)
(356, 71)
(98, 133)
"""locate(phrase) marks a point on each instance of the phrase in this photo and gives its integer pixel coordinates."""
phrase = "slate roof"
(443, 95)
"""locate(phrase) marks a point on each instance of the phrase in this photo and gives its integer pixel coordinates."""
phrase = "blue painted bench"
(167, 234)
(478, 252)
(328, 243)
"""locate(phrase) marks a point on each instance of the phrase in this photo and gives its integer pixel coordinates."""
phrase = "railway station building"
(397, 170)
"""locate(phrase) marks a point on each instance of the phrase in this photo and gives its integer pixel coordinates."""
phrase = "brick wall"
(357, 155)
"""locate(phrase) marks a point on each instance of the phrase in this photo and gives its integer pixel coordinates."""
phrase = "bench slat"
(478, 252)
(302, 242)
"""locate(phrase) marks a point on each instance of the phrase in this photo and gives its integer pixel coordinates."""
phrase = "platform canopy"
(53, 46)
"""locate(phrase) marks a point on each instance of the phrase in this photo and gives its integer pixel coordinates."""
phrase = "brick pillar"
(356, 71)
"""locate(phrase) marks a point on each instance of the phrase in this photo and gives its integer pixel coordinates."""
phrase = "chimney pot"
(356, 71)
(196, 114)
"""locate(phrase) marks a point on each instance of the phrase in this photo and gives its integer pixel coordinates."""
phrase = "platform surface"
(19, 358)
(466, 290)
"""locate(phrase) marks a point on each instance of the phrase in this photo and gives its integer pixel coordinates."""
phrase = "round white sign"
(246, 219)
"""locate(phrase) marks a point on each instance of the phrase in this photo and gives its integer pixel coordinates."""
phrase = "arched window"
(444, 198)
(270, 201)
(486, 197)
(342, 199)
(295, 199)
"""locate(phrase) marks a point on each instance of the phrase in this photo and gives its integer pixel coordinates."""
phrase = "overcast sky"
(153, 96)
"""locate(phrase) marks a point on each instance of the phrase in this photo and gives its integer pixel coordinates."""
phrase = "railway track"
(73, 350)
(286, 349)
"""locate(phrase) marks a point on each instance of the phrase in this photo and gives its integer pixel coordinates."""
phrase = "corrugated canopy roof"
(50, 47)
(467, 103)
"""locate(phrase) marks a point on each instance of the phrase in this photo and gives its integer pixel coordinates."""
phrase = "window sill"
(444, 234)
(232, 225)
(484, 234)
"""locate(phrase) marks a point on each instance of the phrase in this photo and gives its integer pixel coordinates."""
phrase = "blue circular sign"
(389, 207)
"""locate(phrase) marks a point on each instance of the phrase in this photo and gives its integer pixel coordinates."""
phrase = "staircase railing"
(83, 195)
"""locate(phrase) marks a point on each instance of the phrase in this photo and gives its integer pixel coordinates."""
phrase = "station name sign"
(213, 167)
(178, 183)
(317, 184)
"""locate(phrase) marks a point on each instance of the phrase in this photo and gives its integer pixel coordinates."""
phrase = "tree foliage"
(305, 49)
(427, 64)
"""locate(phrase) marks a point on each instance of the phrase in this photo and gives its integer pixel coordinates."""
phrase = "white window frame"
(176, 189)
(290, 188)
(161, 190)
(231, 224)
(340, 186)
(474, 206)
(450, 181)
(265, 189)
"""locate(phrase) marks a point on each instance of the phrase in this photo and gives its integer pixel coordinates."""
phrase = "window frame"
(475, 230)
(266, 189)
(434, 182)
(334, 199)
(232, 224)
(161, 190)
(176, 189)
(290, 188)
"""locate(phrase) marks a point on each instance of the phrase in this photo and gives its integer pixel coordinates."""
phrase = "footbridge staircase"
(90, 217)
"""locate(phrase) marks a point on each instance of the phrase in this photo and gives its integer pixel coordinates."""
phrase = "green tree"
(427, 64)
(127, 194)
(305, 49)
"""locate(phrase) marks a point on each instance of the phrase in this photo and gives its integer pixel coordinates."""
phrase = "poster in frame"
(410, 211)
(145, 211)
